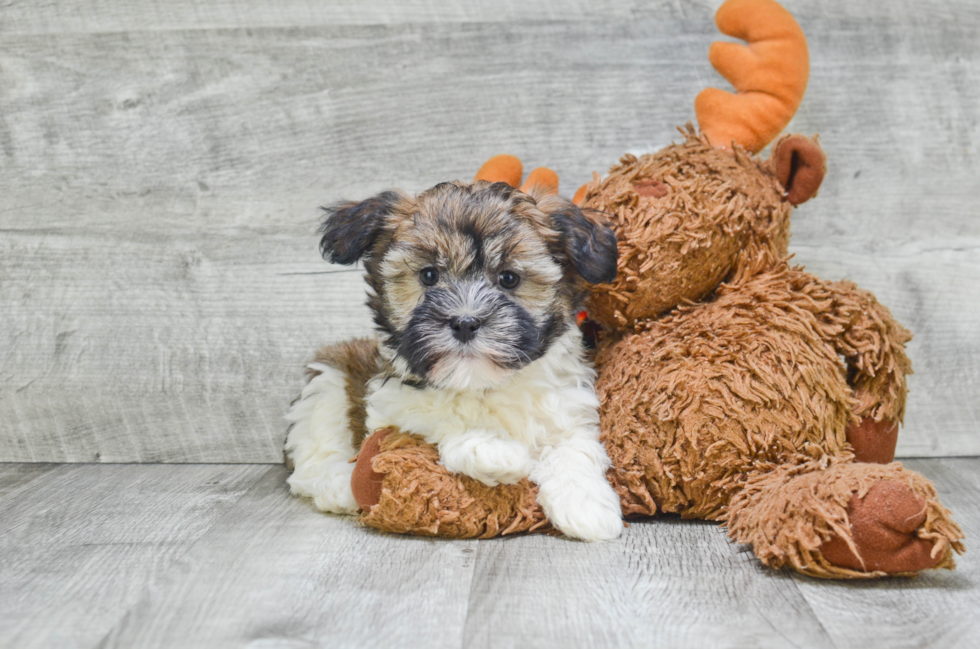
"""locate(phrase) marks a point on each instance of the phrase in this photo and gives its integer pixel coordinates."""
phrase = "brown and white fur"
(474, 290)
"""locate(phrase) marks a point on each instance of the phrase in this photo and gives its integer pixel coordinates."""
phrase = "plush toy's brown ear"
(800, 165)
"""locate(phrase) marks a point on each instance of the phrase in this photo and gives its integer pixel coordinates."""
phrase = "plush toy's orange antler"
(501, 168)
(542, 178)
(508, 169)
(770, 75)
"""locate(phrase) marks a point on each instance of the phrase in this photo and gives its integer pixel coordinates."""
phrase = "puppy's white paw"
(483, 456)
(588, 510)
(588, 519)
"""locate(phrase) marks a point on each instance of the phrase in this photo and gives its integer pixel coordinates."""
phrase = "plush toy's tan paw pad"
(365, 482)
(883, 528)
(873, 441)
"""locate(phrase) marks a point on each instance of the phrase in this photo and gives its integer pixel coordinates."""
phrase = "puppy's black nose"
(464, 329)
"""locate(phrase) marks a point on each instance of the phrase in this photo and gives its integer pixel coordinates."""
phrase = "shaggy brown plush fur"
(694, 400)
(420, 496)
(712, 212)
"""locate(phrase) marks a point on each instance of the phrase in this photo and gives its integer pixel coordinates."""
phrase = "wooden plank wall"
(162, 164)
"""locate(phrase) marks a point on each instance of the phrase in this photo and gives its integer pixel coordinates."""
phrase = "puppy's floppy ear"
(589, 245)
(350, 229)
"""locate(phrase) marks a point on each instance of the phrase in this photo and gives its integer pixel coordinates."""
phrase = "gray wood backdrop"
(161, 165)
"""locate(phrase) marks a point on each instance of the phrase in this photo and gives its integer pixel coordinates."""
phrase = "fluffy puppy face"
(469, 283)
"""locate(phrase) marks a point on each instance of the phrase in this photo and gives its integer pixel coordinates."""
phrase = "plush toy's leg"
(401, 487)
(841, 519)
(873, 343)
(873, 441)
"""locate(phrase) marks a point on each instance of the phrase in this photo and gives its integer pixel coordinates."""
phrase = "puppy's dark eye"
(509, 279)
(429, 276)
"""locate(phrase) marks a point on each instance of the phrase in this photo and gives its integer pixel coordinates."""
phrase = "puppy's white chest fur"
(542, 423)
(538, 407)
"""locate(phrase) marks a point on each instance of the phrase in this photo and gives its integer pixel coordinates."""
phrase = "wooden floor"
(221, 556)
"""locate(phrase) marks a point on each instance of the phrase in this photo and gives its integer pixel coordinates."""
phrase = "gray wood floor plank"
(157, 246)
(312, 580)
(696, 589)
(543, 591)
(273, 572)
(967, 468)
(666, 583)
(17, 476)
(936, 609)
(79, 545)
(221, 556)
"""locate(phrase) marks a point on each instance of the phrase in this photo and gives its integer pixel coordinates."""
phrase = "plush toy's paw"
(486, 457)
(873, 441)
(589, 515)
(884, 526)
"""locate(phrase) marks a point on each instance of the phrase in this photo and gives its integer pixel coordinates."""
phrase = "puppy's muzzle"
(464, 328)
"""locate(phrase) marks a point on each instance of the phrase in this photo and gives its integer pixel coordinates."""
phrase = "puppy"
(474, 289)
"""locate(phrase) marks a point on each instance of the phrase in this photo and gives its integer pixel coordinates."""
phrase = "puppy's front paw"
(590, 512)
(486, 457)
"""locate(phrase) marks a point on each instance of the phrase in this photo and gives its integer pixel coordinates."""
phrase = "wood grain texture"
(694, 588)
(221, 556)
(80, 544)
(307, 579)
(16, 476)
(529, 593)
(162, 166)
(304, 579)
(666, 583)
(928, 611)
(74, 16)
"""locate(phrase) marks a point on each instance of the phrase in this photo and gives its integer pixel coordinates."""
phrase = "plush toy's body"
(747, 401)
(734, 387)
